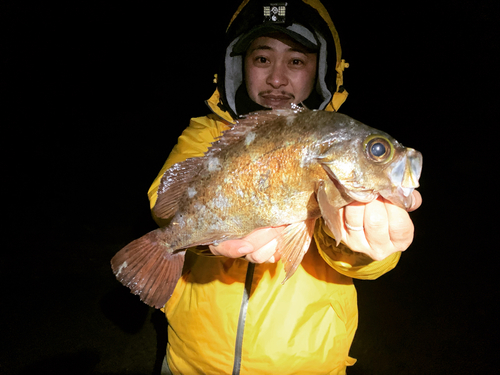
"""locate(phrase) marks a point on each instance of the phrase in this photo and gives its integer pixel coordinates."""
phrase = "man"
(231, 314)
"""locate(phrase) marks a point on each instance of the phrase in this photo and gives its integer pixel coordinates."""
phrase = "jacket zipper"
(241, 320)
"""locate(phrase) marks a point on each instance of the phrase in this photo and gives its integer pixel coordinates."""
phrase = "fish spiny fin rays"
(256, 119)
(293, 245)
(173, 184)
(148, 269)
(261, 119)
(330, 201)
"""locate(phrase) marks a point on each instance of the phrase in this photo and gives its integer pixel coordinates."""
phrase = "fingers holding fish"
(265, 254)
(377, 230)
(366, 229)
(232, 248)
(389, 227)
(257, 247)
(416, 201)
(386, 228)
(264, 242)
(401, 227)
(354, 214)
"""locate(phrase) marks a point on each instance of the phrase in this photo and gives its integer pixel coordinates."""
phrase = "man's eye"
(297, 62)
(261, 60)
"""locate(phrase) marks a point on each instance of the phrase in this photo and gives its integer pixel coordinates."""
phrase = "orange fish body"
(272, 168)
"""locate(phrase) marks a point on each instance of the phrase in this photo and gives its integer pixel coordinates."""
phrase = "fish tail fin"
(149, 269)
(293, 245)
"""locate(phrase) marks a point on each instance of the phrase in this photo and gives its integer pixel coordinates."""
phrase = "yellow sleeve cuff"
(348, 262)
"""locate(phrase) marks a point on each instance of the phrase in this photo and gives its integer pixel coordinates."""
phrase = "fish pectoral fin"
(330, 201)
(293, 245)
(148, 269)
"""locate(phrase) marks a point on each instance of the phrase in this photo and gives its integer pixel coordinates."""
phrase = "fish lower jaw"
(405, 191)
(401, 197)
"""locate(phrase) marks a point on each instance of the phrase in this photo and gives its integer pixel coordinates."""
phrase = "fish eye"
(378, 148)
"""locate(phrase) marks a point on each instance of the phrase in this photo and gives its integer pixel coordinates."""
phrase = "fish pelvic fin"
(330, 200)
(149, 269)
(293, 245)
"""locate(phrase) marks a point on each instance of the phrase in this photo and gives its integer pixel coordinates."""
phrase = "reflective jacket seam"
(241, 320)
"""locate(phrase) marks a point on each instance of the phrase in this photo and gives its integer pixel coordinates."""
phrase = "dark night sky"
(97, 94)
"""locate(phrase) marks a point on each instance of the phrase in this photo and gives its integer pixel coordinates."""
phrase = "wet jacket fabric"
(229, 316)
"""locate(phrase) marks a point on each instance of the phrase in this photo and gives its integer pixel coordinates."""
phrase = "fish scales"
(275, 184)
(272, 168)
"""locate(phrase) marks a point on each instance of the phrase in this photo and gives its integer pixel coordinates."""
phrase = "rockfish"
(276, 167)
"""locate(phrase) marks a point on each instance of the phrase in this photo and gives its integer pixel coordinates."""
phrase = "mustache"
(277, 93)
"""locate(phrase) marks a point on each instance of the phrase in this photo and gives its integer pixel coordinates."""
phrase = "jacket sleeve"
(193, 142)
(348, 262)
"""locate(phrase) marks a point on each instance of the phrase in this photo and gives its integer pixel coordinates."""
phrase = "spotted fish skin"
(272, 168)
(256, 185)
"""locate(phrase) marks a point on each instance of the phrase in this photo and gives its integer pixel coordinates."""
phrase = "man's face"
(279, 71)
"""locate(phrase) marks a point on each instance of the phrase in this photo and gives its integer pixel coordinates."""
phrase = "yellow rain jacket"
(231, 316)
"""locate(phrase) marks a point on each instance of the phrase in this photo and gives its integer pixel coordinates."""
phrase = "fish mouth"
(404, 177)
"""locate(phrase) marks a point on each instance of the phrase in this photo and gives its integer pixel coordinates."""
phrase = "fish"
(271, 168)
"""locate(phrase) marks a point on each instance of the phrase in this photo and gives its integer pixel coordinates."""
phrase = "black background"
(95, 96)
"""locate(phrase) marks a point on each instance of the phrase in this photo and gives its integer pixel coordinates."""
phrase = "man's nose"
(277, 76)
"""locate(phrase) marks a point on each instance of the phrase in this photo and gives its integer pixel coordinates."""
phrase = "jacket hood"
(294, 15)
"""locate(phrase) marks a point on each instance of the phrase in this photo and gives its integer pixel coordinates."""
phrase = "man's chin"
(276, 104)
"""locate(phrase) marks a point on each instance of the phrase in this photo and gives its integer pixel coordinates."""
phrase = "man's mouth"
(276, 100)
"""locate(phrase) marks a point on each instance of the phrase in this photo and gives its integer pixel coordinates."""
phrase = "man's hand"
(377, 229)
(258, 247)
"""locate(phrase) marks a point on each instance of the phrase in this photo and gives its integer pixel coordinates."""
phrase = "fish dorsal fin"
(245, 125)
(177, 178)
(173, 184)
(256, 119)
